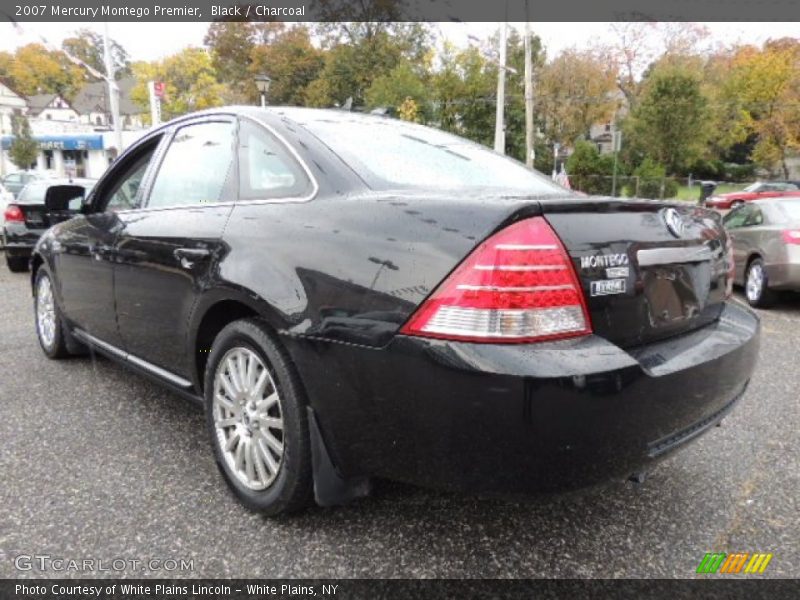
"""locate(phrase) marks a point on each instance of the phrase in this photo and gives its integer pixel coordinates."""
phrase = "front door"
(167, 251)
(85, 257)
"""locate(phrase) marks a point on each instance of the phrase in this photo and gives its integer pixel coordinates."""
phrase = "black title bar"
(400, 10)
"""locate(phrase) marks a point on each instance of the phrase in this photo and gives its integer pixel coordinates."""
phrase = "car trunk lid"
(649, 270)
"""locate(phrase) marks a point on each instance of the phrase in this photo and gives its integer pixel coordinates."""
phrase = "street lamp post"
(262, 83)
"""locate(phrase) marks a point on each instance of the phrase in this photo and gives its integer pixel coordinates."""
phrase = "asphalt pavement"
(97, 463)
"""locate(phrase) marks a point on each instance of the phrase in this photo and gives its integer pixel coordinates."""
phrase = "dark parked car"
(26, 218)
(766, 247)
(355, 296)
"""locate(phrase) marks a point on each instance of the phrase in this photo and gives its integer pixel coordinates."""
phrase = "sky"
(150, 41)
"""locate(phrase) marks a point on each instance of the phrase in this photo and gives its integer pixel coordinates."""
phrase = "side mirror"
(64, 198)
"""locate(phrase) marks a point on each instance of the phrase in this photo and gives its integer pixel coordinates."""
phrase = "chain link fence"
(659, 188)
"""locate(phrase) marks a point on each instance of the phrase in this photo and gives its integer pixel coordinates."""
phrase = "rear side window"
(266, 169)
(197, 166)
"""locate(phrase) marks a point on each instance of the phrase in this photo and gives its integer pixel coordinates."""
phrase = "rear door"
(166, 252)
(649, 271)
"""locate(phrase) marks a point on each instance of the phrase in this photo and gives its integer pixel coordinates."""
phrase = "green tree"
(89, 46)
(670, 122)
(402, 83)
(589, 171)
(23, 149)
(358, 53)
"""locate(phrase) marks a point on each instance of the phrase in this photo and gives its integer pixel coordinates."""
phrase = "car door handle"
(189, 256)
(101, 251)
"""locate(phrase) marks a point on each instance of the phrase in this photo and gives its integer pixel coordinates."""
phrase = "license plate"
(606, 287)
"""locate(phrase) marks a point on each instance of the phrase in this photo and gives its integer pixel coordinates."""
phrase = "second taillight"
(791, 236)
(517, 286)
(13, 214)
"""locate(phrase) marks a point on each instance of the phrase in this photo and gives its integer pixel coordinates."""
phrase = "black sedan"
(354, 296)
(26, 218)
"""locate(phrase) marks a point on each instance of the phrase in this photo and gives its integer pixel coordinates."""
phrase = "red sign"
(159, 87)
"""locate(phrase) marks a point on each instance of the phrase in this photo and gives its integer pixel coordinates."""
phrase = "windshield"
(753, 187)
(387, 153)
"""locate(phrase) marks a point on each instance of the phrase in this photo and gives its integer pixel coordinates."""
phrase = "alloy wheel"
(45, 312)
(248, 418)
(755, 282)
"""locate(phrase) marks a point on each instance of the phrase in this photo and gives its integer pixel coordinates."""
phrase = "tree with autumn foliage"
(575, 90)
(763, 91)
(33, 69)
(190, 79)
(290, 59)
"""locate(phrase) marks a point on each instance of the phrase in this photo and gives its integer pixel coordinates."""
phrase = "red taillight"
(13, 213)
(517, 286)
(792, 236)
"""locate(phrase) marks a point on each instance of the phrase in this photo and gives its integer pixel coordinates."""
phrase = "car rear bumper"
(785, 276)
(19, 240)
(523, 418)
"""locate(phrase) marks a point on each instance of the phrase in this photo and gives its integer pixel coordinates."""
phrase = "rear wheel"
(757, 285)
(17, 264)
(256, 417)
(49, 326)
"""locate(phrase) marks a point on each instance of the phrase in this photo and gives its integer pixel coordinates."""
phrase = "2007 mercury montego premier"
(356, 296)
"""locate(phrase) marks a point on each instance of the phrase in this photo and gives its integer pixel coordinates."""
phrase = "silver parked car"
(766, 247)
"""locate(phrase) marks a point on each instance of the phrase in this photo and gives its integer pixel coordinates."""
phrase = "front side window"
(737, 217)
(196, 168)
(266, 170)
(124, 196)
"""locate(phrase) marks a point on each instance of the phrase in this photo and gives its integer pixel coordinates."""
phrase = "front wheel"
(17, 264)
(256, 417)
(49, 326)
(757, 285)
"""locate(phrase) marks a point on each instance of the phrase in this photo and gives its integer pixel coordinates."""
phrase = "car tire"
(257, 419)
(756, 285)
(50, 330)
(17, 264)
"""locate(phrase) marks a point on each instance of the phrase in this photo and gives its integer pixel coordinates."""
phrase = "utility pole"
(499, 124)
(528, 92)
(616, 145)
(113, 89)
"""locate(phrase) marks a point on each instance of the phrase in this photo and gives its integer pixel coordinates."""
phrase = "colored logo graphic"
(740, 562)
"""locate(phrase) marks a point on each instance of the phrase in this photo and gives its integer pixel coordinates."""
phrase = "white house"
(51, 107)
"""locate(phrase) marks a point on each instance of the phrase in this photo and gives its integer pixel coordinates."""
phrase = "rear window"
(388, 153)
(32, 194)
(791, 210)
